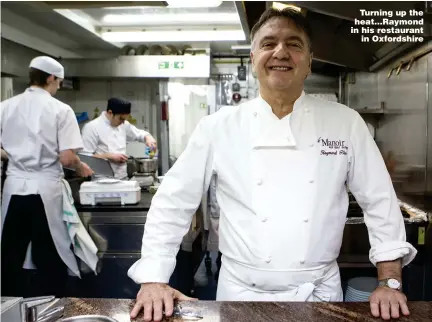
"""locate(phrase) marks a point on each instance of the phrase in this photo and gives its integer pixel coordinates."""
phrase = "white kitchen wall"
(6, 88)
(249, 89)
(142, 93)
(187, 105)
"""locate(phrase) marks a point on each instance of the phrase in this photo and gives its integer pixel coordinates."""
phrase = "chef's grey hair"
(294, 16)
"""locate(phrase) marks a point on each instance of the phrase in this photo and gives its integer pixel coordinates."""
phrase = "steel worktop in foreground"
(249, 311)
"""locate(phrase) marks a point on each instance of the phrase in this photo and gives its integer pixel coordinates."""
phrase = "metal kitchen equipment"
(100, 166)
(10, 309)
(106, 190)
(34, 309)
(90, 318)
(145, 171)
(110, 191)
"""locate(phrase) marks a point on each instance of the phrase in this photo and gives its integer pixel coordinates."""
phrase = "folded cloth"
(83, 245)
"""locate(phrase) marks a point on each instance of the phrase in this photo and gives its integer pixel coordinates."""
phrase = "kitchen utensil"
(89, 318)
(146, 165)
(186, 314)
(99, 166)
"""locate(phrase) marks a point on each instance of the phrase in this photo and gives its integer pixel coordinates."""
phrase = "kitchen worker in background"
(4, 161)
(39, 134)
(211, 261)
(107, 135)
(282, 161)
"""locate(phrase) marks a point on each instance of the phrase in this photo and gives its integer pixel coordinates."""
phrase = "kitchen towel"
(83, 245)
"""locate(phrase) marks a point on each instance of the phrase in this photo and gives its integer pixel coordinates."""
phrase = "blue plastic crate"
(82, 117)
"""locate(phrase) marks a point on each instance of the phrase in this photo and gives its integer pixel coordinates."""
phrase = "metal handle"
(29, 307)
(52, 315)
(399, 68)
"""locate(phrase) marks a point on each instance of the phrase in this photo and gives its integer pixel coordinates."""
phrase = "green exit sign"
(178, 65)
(164, 65)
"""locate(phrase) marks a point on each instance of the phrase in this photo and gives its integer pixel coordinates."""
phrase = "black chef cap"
(119, 106)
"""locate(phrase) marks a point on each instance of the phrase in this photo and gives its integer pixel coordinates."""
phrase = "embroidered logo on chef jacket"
(332, 147)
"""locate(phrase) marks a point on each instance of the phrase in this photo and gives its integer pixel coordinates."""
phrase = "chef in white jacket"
(282, 161)
(40, 136)
(106, 136)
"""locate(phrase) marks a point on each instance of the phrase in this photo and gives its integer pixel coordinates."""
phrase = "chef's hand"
(386, 303)
(117, 157)
(156, 298)
(151, 142)
(84, 170)
(4, 155)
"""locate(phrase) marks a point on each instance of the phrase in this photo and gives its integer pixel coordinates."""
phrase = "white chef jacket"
(35, 128)
(281, 192)
(100, 137)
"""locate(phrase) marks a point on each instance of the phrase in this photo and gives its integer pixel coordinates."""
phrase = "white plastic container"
(110, 191)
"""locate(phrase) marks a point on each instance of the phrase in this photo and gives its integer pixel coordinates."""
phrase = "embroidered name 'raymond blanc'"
(336, 147)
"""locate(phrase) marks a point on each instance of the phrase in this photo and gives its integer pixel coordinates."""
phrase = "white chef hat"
(48, 65)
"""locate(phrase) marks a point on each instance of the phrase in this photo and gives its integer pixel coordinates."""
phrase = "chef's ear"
(51, 79)
(310, 63)
(252, 64)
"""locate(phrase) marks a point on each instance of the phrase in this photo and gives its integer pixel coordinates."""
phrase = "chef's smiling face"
(281, 55)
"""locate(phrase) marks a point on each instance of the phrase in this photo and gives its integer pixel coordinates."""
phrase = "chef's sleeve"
(371, 185)
(69, 136)
(135, 134)
(173, 207)
(90, 138)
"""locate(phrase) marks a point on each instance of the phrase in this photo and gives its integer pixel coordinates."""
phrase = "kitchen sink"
(89, 318)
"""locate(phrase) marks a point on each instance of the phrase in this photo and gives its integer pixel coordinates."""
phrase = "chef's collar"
(297, 104)
(104, 118)
(36, 89)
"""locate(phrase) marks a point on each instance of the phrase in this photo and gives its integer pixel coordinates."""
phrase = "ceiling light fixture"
(172, 19)
(194, 3)
(281, 6)
(173, 36)
(240, 47)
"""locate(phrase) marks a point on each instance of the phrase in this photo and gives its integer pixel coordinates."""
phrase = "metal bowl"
(145, 165)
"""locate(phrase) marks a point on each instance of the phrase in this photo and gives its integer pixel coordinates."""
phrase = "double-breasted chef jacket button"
(311, 181)
(306, 110)
(255, 114)
(264, 219)
(259, 182)
(306, 220)
(302, 261)
(268, 260)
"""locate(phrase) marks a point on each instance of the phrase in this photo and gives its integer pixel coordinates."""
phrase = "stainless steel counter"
(117, 232)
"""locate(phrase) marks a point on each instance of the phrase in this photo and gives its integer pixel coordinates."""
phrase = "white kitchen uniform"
(35, 128)
(282, 197)
(100, 137)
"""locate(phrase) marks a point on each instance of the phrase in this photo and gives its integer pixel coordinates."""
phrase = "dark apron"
(3, 174)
